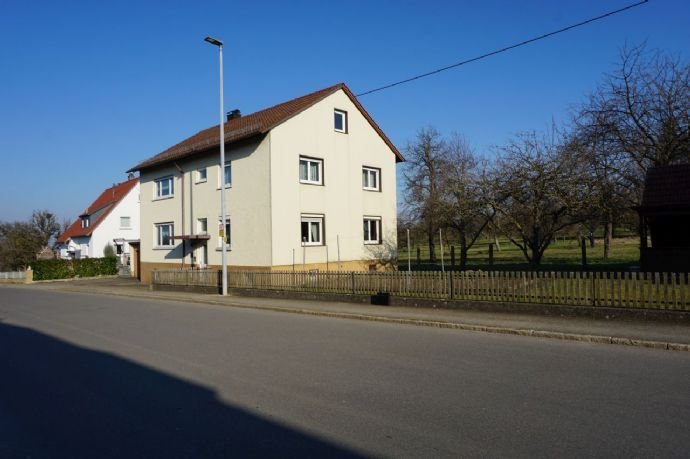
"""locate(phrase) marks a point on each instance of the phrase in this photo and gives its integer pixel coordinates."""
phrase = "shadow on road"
(60, 400)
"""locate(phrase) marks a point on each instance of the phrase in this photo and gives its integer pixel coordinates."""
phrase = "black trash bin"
(381, 299)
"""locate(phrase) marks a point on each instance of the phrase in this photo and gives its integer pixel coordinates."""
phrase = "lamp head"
(213, 41)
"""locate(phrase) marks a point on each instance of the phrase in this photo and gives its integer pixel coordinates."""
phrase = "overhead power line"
(507, 48)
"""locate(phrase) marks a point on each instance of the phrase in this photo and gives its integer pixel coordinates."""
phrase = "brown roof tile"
(257, 123)
(667, 187)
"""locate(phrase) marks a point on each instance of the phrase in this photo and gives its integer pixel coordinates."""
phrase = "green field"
(561, 255)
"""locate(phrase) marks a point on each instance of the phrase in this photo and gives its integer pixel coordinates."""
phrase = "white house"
(113, 218)
(311, 184)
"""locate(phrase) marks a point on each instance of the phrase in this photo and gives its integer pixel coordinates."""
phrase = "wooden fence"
(630, 290)
(13, 277)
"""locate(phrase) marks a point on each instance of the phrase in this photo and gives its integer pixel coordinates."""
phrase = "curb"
(597, 339)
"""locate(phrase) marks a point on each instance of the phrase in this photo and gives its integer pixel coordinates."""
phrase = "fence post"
(419, 261)
(450, 285)
(491, 254)
(352, 277)
(594, 286)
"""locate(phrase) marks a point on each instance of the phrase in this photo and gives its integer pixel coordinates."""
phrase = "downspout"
(184, 253)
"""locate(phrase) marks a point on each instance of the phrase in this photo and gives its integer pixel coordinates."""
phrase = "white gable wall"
(109, 228)
(341, 198)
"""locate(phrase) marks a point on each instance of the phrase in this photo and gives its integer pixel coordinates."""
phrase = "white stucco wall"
(247, 206)
(109, 228)
(341, 199)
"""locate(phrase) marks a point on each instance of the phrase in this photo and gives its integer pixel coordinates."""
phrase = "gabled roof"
(101, 207)
(257, 123)
(667, 187)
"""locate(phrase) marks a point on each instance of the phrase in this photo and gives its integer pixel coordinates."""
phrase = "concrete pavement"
(661, 335)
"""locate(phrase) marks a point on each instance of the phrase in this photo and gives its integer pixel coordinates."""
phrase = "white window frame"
(342, 113)
(228, 233)
(158, 189)
(199, 178)
(309, 180)
(85, 221)
(222, 171)
(366, 228)
(310, 219)
(129, 222)
(369, 171)
(202, 225)
(158, 238)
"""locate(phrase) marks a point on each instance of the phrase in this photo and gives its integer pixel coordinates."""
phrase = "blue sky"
(88, 89)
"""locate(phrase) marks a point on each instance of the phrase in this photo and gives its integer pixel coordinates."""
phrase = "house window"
(371, 179)
(227, 170)
(164, 187)
(125, 223)
(226, 233)
(202, 226)
(164, 234)
(310, 170)
(201, 175)
(340, 121)
(312, 230)
(85, 221)
(372, 230)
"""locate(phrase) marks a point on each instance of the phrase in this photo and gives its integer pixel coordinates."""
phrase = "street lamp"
(224, 260)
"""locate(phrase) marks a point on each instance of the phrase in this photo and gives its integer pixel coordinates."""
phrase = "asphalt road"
(99, 376)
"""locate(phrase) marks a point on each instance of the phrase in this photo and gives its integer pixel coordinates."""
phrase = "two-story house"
(310, 184)
(111, 219)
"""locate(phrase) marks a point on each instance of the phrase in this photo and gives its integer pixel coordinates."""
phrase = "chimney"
(232, 114)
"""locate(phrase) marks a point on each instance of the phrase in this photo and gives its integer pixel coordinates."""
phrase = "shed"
(665, 219)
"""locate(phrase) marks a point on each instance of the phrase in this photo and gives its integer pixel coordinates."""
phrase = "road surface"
(86, 375)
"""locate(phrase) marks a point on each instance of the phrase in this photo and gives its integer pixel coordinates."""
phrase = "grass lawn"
(561, 255)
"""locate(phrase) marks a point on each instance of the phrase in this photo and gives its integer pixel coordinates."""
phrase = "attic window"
(340, 121)
(85, 221)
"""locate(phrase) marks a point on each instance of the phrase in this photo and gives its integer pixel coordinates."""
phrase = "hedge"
(66, 269)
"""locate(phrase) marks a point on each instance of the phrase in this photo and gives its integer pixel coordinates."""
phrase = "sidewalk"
(660, 335)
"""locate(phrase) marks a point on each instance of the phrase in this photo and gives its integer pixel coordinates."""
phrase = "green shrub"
(52, 269)
(65, 269)
(108, 251)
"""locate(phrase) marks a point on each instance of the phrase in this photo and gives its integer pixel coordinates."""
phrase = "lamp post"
(224, 260)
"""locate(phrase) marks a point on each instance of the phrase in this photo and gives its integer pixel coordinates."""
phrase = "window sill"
(226, 187)
(200, 181)
(372, 242)
(220, 249)
(371, 189)
(163, 198)
(312, 244)
(304, 182)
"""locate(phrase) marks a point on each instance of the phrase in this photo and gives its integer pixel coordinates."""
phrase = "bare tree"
(641, 110)
(46, 225)
(19, 244)
(467, 211)
(539, 189)
(426, 159)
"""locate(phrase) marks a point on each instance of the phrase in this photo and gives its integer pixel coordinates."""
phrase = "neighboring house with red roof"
(113, 218)
(311, 185)
(665, 219)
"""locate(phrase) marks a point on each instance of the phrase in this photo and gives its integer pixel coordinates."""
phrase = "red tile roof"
(106, 202)
(257, 123)
(667, 187)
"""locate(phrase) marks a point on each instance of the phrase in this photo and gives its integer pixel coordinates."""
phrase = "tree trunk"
(608, 236)
(463, 250)
(432, 247)
(498, 246)
(535, 260)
